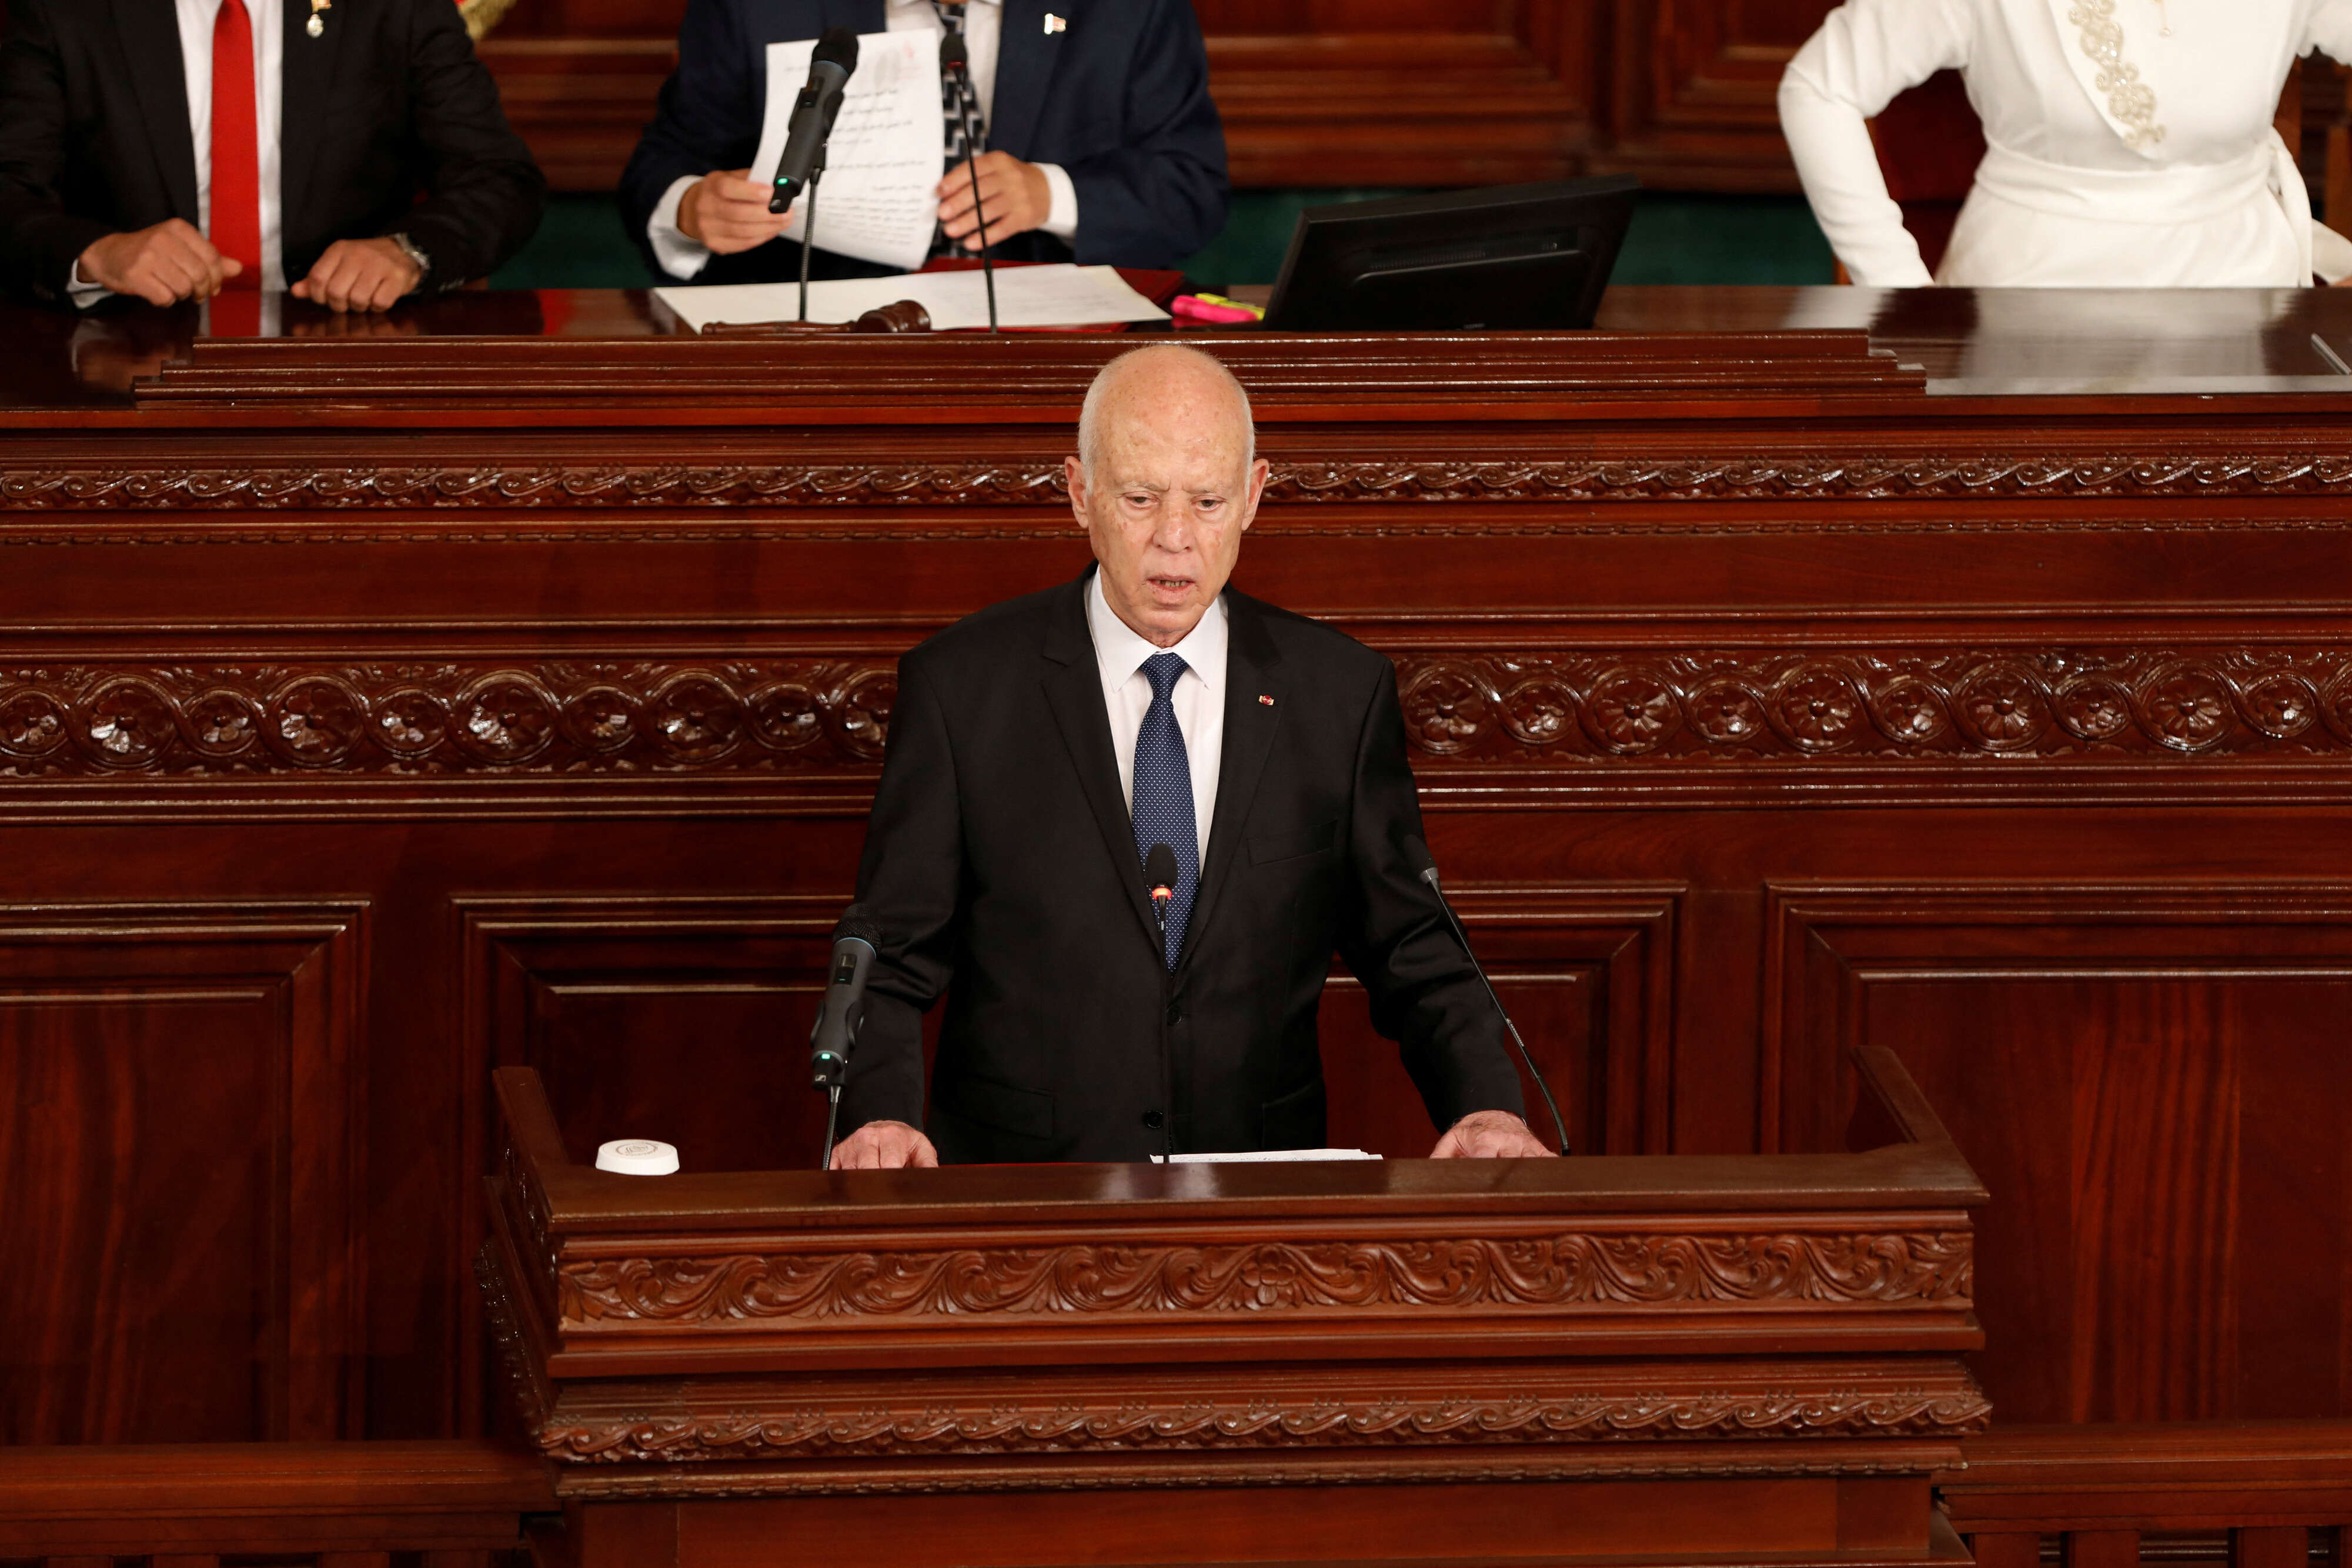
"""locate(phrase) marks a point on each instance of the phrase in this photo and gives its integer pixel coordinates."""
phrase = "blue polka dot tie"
(1163, 806)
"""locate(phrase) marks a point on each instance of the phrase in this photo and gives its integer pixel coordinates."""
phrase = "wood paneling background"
(1315, 93)
(342, 761)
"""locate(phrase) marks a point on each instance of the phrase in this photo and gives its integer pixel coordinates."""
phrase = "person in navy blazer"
(1107, 99)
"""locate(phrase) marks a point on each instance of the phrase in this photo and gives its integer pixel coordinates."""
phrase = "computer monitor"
(1509, 256)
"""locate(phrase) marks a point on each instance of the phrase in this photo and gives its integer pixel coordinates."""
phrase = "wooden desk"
(1669, 1359)
(374, 714)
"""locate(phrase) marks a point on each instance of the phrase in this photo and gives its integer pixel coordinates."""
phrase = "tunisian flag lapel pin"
(1263, 698)
(1054, 23)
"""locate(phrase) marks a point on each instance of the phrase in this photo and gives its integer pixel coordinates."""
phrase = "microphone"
(1160, 875)
(841, 1014)
(954, 57)
(830, 65)
(1418, 853)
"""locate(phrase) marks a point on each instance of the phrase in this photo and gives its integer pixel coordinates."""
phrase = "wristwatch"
(415, 253)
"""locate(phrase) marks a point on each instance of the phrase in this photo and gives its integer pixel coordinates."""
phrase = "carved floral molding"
(1013, 1428)
(1567, 1270)
(1857, 477)
(443, 717)
(1614, 709)
(1698, 707)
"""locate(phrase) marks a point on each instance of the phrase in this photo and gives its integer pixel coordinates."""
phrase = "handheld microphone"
(955, 57)
(830, 66)
(1160, 875)
(841, 1014)
(1418, 853)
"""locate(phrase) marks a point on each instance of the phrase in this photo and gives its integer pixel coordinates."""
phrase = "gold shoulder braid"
(481, 15)
(2129, 100)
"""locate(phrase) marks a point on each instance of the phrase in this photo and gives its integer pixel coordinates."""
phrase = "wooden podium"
(1664, 1359)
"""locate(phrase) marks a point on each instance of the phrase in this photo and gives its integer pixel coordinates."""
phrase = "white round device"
(638, 1156)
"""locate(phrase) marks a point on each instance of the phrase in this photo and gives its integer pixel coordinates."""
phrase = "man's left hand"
(1489, 1135)
(360, 275)
(1013, 194)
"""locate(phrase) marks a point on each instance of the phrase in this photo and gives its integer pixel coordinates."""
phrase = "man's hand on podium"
(1015, 196)
(1490, 1135)
(884, 1147)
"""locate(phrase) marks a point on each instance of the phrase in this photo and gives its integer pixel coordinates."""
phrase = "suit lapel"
(306, 81)
(150, 33)
(1025, 57)
(1072, 685)
(860, 16)
(1253, 670)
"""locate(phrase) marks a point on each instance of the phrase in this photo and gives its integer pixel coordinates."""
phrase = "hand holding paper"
(726, 212)
(882, 162)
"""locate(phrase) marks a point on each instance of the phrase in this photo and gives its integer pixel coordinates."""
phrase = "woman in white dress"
(2128, 143)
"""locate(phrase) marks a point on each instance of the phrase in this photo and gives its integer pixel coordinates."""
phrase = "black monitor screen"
(1510, 257)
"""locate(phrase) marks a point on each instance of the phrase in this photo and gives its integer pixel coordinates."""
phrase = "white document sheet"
(1059, 295)
(1262, 1155)
(887, 153)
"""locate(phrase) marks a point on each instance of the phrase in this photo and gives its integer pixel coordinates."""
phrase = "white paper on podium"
(1262, 1155)
(887, 153)
(1058, 295)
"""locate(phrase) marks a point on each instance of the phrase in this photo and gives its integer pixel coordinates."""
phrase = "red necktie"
(237, 145)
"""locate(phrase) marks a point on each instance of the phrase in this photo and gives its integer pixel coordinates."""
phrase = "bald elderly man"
(1042, 749)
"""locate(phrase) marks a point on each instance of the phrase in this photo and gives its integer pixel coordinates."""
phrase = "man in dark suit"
(1043, 750)
(167, 149)
(1102, 144)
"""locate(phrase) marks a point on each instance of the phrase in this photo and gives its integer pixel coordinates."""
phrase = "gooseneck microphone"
(955, 58)
(830, 68)
(831, 65)
(1426, 865)
(840, 1015)
(1160, 875)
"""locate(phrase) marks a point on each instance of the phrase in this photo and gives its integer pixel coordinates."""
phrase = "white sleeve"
(680, 256)
(2331, 254)
(1062, 213)
(2329, 29)
(1865, 52)
(83, 292)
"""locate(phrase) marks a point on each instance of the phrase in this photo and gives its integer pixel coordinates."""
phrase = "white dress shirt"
(984, 27)
(268, 20)
(2167, 174)
(1199, 699)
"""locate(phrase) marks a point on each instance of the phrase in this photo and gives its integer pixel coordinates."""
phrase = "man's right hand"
(884, 1147)
(726, 210)
(162, 264)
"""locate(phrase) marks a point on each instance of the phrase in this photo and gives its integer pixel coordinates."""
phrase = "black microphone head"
(853, 924)
(1159, 871)
(838, 48)
(954, 56)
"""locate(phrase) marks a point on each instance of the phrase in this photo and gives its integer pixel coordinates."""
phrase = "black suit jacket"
(388, 102)
(999, 866)
(1120, 98)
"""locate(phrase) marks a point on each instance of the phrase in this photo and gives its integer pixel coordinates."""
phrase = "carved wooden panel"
(1693, 90)
(678, 1018)
(2148, 1076)
(685, 1018)
(177, 1169)
(1588, 974)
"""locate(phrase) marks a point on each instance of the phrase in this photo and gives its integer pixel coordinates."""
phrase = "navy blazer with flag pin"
(1117, 94)
(1001, 867)
(388, 123)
